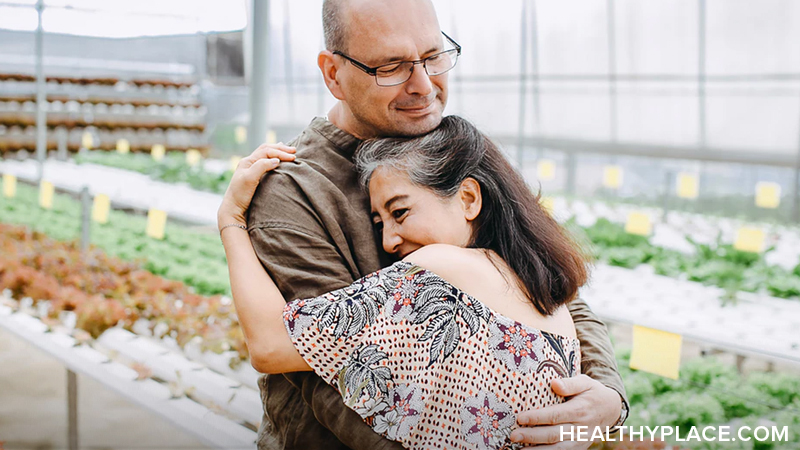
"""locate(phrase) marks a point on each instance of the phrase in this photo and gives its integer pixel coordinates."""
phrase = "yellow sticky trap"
(123, 146)
(193, 157)
(272, 138)
(156, 223)
(100, 208)
(235, 162)
(688, 186)
(46, 192)
(158, 151)
(612, 177)
(240, 133)
(546, 170)
(87, 141)
(656, 351)
(768, 195)
(749, 240)
(638, 223)
(548, 204)
(9, 186)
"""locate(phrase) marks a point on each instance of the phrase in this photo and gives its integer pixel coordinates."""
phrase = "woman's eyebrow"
(394, 199)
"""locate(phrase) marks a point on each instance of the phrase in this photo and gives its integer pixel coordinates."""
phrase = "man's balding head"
(376, 33)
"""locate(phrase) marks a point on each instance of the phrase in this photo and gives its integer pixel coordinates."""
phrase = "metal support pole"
(523, 72)
(61, 136)
(259, 83)
(72, 409)
(41, 97)
(701, 72)
(535, 77)
(612, 74)
(287, 58)
(701, 85)
(796, 188)
(86, 217)
(665, 196)
(572, 175)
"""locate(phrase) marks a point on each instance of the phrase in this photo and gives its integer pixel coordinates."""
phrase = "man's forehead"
(385, 27)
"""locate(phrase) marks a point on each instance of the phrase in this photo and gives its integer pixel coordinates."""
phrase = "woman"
(443, 348)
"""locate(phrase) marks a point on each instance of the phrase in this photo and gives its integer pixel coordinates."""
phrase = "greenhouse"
(659, 143)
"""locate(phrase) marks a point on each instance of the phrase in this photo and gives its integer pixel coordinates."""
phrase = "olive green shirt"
(311, 228)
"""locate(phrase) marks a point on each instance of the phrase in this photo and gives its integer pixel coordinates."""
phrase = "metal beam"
(259, 83)
(711, 154)
(41, 95)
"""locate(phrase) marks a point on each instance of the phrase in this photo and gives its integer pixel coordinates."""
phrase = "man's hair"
(333, 27)
(512, 222)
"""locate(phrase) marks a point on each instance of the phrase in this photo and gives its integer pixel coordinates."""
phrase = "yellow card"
(749, 240)
(656, 351)
(240, 133)
(156, 223)
(768, 195)
(272, 138)
(158, 151)
(9, 185)
(546, 170)
(612, 177)
(123, 146)
(193, 157)
(100, 208)
(235, 162)
(87, 141)
(46, 192)
(638, 223)
(548, 204)
(688, 186)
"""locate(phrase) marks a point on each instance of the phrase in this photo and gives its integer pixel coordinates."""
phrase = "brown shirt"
(310, 225)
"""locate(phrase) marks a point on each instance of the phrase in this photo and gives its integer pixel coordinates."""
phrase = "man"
(311, 228)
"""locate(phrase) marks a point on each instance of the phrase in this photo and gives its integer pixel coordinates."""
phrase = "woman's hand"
(246, 178)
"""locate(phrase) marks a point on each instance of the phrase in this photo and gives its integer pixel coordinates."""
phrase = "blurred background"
(664, 134)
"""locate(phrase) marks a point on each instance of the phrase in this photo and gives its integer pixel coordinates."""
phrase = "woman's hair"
(512, 222)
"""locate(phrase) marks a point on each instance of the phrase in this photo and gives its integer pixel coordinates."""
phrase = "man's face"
(381, 32)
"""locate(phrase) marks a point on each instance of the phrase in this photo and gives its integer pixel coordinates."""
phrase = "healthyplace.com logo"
(722, 433)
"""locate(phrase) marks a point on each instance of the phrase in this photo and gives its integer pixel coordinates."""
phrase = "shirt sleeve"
(597, 353)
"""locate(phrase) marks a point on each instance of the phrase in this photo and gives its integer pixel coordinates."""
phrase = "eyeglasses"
(396, 73)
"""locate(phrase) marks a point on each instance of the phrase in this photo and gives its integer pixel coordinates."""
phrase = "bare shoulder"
(450, 262)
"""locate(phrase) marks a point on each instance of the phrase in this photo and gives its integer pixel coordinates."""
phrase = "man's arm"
(597, 353)
(594, 399)
(302, 259)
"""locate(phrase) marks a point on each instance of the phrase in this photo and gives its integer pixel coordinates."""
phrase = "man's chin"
(416, 125)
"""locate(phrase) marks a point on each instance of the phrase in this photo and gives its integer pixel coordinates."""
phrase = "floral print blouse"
(424, 363)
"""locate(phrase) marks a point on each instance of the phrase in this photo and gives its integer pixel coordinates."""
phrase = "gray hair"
(333, 25)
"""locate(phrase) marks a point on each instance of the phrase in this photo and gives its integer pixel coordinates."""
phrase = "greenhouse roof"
(125, 19)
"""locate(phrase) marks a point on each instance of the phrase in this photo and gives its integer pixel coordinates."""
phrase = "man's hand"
(589, 404)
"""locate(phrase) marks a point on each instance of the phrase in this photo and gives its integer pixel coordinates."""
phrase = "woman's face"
(411, 217)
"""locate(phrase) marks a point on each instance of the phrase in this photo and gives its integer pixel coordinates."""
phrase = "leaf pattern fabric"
(424, 363)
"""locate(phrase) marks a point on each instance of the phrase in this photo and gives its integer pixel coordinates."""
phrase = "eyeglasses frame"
(373, 71)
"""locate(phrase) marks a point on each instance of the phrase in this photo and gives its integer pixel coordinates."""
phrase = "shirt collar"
(344, 142)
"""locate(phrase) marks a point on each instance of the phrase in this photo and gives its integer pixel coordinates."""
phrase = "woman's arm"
(259, 303)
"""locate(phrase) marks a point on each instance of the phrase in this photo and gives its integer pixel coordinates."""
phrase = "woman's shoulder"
(450, 262)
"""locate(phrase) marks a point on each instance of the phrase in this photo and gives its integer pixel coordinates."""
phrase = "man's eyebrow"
(396, 59)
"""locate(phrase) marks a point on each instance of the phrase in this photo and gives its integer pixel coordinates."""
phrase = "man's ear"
(471, 199)
(329, 68)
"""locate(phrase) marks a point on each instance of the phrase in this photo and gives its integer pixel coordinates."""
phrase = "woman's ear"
(471, 200)
(328, 66)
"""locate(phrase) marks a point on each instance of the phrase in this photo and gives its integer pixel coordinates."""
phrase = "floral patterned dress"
(424, 363)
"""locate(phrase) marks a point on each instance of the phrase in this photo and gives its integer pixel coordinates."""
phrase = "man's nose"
(420, 81)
